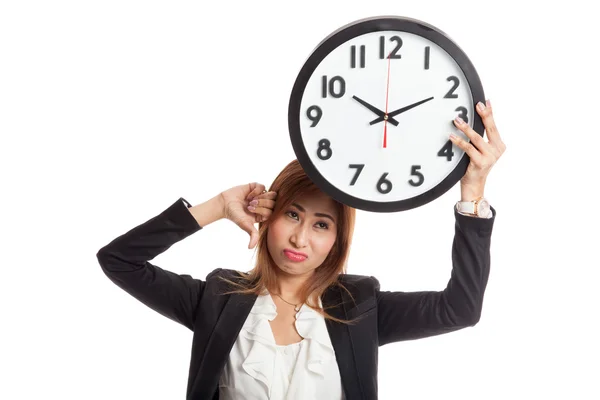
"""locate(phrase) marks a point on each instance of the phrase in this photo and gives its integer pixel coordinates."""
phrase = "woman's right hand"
(236, 202)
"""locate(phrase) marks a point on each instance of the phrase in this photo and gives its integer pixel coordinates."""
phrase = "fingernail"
(459, 120)
(254, 202)
(480, 106)
(251, 208)
(453, 136)
(488, 103)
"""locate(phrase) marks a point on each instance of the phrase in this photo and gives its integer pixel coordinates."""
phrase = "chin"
(294, 269)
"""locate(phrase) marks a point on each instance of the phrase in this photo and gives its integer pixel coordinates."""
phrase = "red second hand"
(387, 90)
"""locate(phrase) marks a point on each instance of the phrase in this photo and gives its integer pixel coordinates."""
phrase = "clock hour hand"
(399, 111)
(376, 111)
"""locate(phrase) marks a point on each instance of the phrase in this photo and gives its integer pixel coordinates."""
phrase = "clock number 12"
(394, 51)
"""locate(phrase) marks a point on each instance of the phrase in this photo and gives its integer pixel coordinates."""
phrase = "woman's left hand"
(483, 154)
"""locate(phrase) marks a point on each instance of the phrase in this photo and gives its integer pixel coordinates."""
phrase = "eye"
(291, 212)
(324, 225)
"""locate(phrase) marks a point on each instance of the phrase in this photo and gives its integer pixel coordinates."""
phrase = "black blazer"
(216, 319)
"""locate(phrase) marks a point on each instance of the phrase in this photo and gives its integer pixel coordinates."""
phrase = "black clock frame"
(342, 35)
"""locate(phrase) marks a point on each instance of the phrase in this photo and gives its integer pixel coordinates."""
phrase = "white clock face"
(341, 115)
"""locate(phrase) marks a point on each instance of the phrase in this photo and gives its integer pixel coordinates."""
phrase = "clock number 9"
(316, 118)
(324, 146)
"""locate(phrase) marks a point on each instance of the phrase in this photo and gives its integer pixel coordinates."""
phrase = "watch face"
(484, 208)
(371, 113)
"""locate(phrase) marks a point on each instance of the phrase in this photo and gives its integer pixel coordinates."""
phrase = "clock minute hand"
(400, 111)
(376, 111)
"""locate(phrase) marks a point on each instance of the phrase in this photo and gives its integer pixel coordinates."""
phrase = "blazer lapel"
(227, 328)
(341, 341)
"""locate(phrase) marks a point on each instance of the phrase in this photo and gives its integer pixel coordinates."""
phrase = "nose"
(300, 236)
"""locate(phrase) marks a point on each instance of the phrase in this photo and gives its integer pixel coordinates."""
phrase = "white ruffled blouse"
(258, 368)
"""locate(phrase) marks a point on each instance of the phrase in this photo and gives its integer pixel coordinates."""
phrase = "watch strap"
(469, 207)
(466, 207)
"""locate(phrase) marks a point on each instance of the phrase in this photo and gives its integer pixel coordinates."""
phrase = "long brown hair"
(292, 183)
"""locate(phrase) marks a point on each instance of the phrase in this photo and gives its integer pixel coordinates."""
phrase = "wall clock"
(371, 111)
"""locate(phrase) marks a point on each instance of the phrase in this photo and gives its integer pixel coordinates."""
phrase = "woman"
(297, 326)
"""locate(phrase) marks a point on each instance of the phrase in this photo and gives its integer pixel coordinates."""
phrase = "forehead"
(317, 202)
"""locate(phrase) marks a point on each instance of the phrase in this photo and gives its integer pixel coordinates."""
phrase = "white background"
(110, 111)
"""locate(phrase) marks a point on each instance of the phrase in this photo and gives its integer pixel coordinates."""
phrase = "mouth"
(294, 256)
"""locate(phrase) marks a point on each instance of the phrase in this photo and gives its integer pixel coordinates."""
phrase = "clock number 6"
(324, 146)
(384, 186)
(415, 172)
(314, 118)
(382, 181)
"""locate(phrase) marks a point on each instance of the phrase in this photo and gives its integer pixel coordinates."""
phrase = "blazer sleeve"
(415, 315)
(126, 262)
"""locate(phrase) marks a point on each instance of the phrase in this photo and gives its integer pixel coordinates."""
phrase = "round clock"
(371, 112)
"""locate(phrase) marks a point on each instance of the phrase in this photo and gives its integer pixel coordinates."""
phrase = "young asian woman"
(298, 325)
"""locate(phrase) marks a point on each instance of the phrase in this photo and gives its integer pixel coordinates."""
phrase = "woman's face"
(309, 227)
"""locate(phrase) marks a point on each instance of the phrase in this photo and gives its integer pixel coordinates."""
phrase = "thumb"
(251, 230)
(253, 238)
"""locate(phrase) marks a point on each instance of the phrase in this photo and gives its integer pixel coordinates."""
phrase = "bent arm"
(415, 315)
(125, 261)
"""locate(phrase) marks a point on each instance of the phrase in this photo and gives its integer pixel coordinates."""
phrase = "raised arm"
(126, 260)
(415, 315)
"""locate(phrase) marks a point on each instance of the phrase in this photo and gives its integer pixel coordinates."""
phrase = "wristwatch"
(479, 207)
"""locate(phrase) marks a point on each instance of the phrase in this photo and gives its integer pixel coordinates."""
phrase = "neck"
(288, 285)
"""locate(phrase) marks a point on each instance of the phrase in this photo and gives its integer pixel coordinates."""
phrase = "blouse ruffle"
(260, 361)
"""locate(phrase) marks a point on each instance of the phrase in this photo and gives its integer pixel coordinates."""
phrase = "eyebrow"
(299, 207)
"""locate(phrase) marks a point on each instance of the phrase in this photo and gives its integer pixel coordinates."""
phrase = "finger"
(475, 138)
(255, 189)
(266, 195)
(262, 203)
(263, 211)
(467, 147)
(262, 218)
(486, 113)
